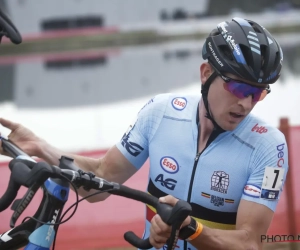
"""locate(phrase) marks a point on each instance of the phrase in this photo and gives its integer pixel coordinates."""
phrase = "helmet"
(245, 49)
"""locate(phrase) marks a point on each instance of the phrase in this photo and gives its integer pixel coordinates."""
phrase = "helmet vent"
(226, 52)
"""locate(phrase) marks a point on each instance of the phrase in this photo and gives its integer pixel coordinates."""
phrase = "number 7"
(277, 173)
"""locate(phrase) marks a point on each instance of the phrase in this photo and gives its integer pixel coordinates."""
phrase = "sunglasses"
(242, 90)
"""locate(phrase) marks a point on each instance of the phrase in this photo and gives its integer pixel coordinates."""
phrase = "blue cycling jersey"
(249, 163)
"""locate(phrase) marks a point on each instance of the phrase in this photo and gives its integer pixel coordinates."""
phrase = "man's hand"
(22, 137)
(160, 232)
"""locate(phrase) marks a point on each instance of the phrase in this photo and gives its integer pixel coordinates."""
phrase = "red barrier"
(102, 224)
(67, 33)
(285, 220)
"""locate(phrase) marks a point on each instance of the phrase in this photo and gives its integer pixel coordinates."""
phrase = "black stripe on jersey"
(153, 190)
(212, 215)
(198, 210)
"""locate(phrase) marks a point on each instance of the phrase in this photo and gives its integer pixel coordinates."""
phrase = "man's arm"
(253, 221)
(112, 167)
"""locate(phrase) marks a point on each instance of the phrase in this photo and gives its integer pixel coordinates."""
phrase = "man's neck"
(206, 126)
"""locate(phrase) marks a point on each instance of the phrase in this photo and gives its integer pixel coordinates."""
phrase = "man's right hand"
(22, 137)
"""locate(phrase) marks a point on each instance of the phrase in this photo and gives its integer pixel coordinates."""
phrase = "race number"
(272, 183)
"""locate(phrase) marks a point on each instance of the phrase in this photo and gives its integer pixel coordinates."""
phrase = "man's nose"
(246, 102)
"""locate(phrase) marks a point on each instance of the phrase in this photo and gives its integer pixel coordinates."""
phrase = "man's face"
(227, 109)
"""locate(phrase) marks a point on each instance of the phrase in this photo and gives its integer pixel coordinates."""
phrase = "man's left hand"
(160, 232)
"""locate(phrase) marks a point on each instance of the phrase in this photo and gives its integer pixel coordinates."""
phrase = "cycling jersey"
(247, 163)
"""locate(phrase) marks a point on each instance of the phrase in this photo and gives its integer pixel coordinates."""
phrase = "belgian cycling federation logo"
(220, 182)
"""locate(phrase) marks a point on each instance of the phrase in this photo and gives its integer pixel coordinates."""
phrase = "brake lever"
(18, 171)
(9, 195)
(20, 205)
(174, 216)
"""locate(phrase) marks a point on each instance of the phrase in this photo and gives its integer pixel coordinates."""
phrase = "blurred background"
(85, 68)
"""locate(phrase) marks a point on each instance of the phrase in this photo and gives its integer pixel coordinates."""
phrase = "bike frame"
(35, 235)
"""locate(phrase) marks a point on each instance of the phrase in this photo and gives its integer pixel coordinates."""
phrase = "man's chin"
(229, 126)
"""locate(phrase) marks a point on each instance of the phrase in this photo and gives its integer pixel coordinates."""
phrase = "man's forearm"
(52, 155)
(216, 239)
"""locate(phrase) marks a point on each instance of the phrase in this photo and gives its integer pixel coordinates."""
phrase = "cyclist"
(207, 149)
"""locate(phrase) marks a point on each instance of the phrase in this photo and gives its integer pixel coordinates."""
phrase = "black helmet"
(245, 49)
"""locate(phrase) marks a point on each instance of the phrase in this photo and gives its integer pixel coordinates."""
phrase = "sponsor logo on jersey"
(259, 129)
(220, 182)
(167, 183)
(179, 103)
(280, 155)
(252, 190)
(131, 147)
(270, 194)
(149, 102)
(216, 200)
(169, 164)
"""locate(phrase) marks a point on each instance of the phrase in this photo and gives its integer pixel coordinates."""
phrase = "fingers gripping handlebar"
(26, 172)
(173, 216)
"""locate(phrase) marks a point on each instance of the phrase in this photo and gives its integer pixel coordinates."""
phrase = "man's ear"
(205, 72)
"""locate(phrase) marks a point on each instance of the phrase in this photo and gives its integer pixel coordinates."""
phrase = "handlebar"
(8, 29)
(26, 172)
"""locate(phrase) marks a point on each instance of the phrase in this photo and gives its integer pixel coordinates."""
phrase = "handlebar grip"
(169, 214)
(135, 195)
(12, 149)
(19, 171)
(134, 240)
(24, 172)
(9, 195)
(12, 32)
(177, 213)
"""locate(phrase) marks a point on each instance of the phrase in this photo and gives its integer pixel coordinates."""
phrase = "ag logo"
(132, 148)
(179, 103)
(169, 164)
(168, 183)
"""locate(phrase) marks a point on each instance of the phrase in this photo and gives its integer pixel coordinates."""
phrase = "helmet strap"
(204, 92)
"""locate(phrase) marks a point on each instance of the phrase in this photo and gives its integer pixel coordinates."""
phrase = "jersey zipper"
(211, 138)
(191, 186)
(192, 177)
(192, 180)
